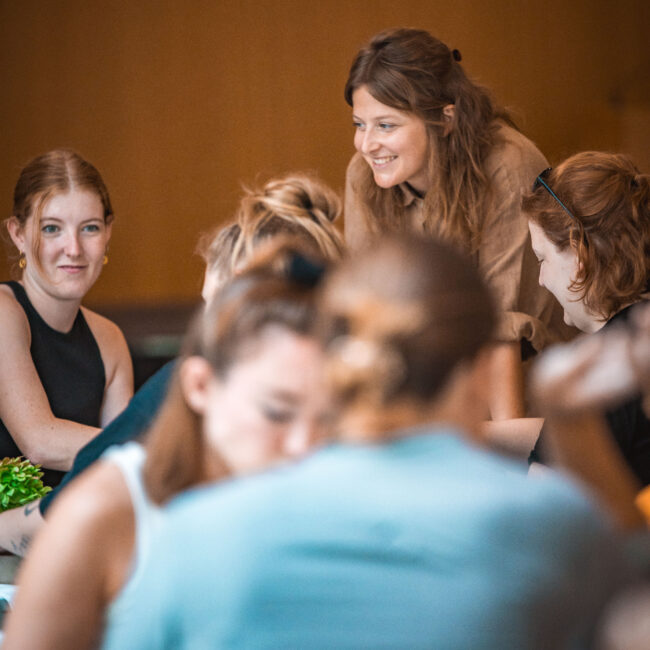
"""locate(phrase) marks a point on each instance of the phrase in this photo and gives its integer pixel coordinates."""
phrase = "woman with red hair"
(590, 229)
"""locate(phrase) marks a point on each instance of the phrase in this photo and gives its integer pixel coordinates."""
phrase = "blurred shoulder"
(553, 495)
(97, 498)
(230, 509)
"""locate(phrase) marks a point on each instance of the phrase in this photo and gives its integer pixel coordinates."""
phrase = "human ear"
(196, 375)
(211, 283)
(448, 114)
(109, 230)
(16, 232)
(578, 264)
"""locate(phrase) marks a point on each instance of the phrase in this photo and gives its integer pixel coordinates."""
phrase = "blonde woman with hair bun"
(297, 205)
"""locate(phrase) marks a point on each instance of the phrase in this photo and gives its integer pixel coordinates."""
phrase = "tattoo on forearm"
(30, 507)
(21, 547)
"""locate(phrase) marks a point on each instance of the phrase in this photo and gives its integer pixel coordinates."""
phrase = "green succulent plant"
(20, 483)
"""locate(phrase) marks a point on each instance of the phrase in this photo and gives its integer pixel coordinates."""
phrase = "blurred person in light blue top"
(406, 533)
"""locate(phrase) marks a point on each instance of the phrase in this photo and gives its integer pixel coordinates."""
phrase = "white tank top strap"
(129, 458)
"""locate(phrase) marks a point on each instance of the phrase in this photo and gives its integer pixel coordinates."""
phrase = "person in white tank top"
(225, 414)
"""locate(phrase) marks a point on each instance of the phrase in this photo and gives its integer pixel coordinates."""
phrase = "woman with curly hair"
(590, 230)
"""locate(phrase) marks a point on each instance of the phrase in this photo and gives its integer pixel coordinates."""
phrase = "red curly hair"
(609, 226)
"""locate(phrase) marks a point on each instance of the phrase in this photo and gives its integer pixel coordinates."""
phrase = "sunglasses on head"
(540, 180)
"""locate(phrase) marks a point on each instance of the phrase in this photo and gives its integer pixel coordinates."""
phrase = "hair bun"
(304, 271)
(456, 55)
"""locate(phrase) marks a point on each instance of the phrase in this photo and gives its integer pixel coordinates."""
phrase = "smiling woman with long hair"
(436, 155)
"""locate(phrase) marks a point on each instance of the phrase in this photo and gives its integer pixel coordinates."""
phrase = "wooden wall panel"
(178, 104)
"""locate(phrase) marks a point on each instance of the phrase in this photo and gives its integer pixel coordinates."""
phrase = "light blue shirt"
(426, 542)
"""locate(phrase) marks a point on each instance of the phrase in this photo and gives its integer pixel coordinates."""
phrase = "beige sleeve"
(356, 218)
(505, 256)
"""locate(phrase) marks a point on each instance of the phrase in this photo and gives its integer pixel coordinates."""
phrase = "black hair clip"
(456, 55)
(305, 271)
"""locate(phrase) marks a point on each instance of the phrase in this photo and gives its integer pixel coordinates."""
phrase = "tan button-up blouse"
(505, 256)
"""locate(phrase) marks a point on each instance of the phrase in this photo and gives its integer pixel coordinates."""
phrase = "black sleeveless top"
(628, 424)
(71, 370)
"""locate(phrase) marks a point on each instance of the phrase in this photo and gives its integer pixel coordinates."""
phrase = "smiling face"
(256, 415)
(394, 143)
(557, 270)
(64, 250)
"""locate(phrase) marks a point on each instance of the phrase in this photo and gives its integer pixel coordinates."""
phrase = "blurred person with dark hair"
(406, 533)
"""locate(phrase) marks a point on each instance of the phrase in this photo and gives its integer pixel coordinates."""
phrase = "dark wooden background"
(179, 103)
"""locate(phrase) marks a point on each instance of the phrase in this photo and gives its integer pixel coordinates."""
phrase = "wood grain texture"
(178, 104)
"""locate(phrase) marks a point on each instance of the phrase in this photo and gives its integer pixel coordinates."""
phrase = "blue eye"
(385, 126)
(358, 125)
(91, 227)
(49, 229)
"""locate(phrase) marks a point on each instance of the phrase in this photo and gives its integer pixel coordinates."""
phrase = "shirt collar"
(409, 195)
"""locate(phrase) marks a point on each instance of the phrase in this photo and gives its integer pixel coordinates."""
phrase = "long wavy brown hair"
(410, 70)
(609, 226)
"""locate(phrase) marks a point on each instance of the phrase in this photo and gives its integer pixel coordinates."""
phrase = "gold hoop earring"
(105, 260)
(22, 262)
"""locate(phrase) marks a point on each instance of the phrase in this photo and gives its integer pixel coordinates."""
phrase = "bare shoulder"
(13, 320)
(105, 331)
(8, 302)
(112, 346)
(95, 501)
(89, 544)
(94, 506)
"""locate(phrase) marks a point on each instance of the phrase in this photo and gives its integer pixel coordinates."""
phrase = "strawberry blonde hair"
(55, 172)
